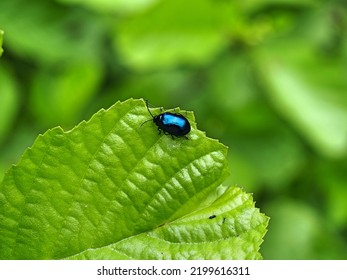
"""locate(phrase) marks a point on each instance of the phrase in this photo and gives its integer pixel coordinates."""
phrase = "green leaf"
(255, 4)
(175, 32)
(235, 233)
(9, 101)
(1, 38)
(298, 232)
(112, 188)
(49, 33)
(58, 96)
(309, 91)
(114, 6)
(332, 178)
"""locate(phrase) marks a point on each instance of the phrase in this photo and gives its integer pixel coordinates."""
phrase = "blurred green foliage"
(267, 78)
(1, 36)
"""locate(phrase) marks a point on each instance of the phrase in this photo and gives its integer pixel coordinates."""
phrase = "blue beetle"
(170, 123)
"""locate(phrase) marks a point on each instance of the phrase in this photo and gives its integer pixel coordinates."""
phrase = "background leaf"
(146, 45)
(41, 19)
(58, 94)
(112, 182)
(1, 38)
(9, 101)
(115, 6)
(315, 103)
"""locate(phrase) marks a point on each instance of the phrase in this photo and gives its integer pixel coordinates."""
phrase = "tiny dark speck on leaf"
(212, 217)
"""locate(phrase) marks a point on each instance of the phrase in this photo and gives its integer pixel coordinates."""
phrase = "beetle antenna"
(148, 110)
(145, 122)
